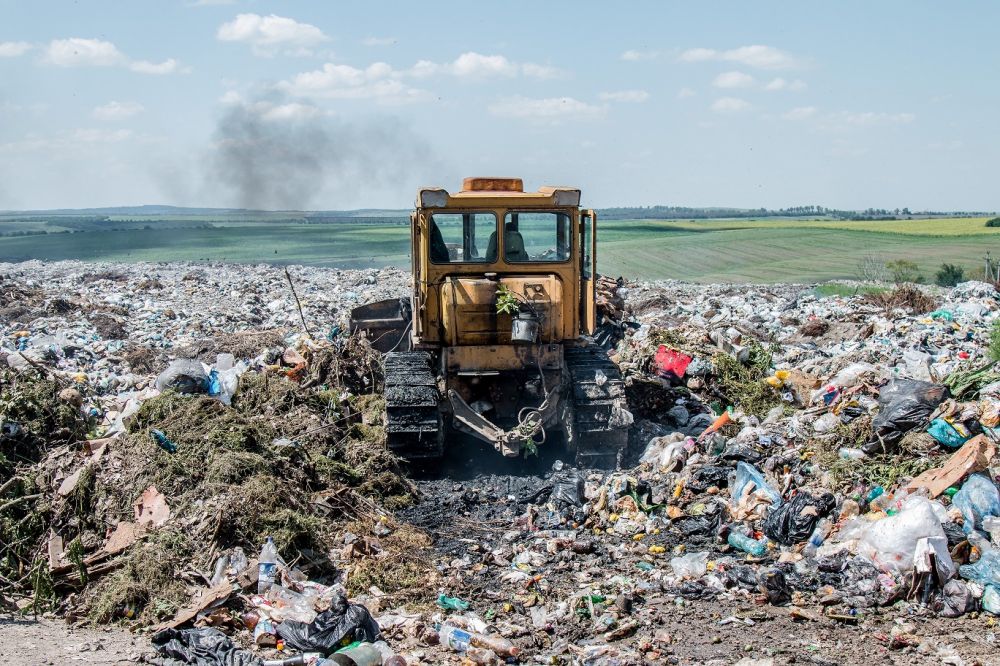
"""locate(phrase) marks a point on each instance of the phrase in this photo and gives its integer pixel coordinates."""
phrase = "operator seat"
(513, 241)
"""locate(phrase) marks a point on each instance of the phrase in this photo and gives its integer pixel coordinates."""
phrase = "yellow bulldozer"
(495, 340)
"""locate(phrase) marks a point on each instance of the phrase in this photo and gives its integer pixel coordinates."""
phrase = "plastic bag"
(904, 405)
(956, 600)
(567, 488)
(199, 647)
(666, 453)
(775, 587)
(747, 475)
(946, 434)
(892, 542)
(795, 520)
(328, 631)
(670, 363)
(991, 600)
(184, 376)
(692, 565)
(976, 499)
(985, 570)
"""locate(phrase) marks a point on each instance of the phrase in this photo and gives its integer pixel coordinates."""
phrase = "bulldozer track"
(598, 440)
(413, 419)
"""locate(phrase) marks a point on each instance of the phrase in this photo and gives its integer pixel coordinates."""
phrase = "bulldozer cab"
(493, 236)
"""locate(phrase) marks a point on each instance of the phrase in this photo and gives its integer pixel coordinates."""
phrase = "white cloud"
(685, 92)
(635, 56)
(763, 57)
(872, 118)
(476, 66)
(781, 84)
(552, 109)
(272, 34)
(625, 96)
(378, 41)
(168, 66)
(800, 113)
(116, 110)
(81, 52)
(13, 49)
(87, 135)
(733, 80)
(231, 97)
(729, 105)
(377, 81)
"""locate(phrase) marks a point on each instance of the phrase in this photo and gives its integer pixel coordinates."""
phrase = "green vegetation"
(993, 222)
(718, 250)
(904, 270)
(949, 275)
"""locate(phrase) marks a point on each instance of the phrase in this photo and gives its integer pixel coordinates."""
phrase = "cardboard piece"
(974, 456)
(151, 508)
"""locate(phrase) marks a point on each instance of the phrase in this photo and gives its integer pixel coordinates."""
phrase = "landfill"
(195, 452)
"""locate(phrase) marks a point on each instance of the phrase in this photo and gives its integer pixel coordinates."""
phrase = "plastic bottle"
(457, 639)
(848, 453)
(268, 566)
(460, 640)
(817, 537)
(389, 658)
(746, 544)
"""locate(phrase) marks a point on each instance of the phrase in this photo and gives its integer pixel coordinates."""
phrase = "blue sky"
(847, 104)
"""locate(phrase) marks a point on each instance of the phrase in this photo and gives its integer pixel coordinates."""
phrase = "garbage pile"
(185, 453)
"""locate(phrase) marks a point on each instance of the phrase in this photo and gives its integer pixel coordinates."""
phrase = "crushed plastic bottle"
(817, 537)
(746, 544)
(267, 568)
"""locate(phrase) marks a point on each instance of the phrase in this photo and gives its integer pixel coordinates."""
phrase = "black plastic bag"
(740, 575)
(567, 488)
(199, 647)
(795, 520)
(709, 475)
(904, 404)
(343, 621)
(775, 587)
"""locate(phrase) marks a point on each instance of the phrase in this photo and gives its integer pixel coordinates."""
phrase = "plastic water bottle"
(817, 538)
(454, 638)
(746, 544)
(267, 566)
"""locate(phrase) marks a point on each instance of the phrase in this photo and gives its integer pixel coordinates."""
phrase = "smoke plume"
(278, 155)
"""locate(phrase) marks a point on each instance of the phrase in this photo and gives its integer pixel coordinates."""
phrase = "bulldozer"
(495, 340)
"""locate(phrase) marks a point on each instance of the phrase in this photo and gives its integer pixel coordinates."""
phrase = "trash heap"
(186, 452)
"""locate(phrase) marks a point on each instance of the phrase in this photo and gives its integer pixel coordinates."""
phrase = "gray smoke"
(267, 155)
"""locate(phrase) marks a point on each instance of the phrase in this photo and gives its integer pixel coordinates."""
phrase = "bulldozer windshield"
(537, 237)
(463, 238)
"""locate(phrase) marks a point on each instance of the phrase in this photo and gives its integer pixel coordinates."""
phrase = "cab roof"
(481, 189)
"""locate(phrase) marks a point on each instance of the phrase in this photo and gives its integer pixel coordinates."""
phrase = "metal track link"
(412, 417)
(598, 443)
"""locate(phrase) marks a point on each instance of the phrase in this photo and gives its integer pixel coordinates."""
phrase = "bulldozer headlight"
(567, 197)
(432, 198)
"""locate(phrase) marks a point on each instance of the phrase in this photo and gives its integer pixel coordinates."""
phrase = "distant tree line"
(689, 213)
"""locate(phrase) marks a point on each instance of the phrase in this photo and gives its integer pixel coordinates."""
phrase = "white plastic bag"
(891, 543)
(692, 565)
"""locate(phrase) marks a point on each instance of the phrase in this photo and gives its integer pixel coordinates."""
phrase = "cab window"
(463, 238)
(533, 237)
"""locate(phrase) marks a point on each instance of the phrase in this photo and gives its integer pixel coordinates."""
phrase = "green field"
(731, 250)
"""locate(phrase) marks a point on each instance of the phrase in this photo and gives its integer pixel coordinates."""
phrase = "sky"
(342, 105)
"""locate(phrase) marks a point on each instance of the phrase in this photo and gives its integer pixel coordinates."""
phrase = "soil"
(43, 641)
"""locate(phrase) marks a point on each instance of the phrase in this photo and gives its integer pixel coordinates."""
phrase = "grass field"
(769, 250)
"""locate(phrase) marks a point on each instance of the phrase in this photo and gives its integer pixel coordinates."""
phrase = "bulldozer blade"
(385, 323)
